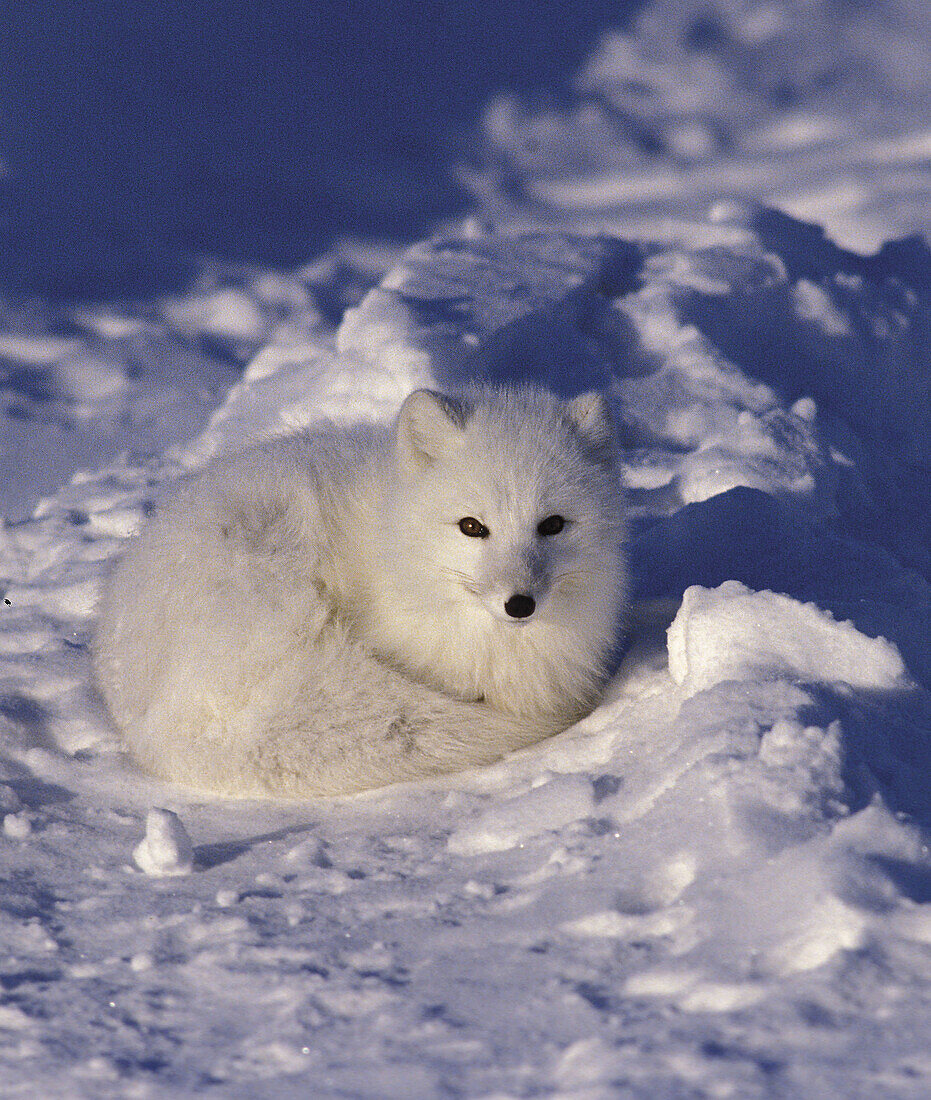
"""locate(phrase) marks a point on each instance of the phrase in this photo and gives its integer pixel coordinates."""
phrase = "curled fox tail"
(275, 731)
(424, 740)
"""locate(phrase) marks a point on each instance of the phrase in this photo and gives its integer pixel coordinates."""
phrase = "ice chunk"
(17, 826)
(166, 848)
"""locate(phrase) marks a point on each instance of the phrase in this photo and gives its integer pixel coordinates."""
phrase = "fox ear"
(591, 417)
(429, 424)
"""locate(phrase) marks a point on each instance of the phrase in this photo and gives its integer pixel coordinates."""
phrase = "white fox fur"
(308, 617)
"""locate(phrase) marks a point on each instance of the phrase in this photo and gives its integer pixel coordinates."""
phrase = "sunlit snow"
(716, 885)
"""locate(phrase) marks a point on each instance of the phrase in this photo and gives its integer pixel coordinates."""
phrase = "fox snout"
(513, 607)
(517, 596)
(513, 584)
(520, 606)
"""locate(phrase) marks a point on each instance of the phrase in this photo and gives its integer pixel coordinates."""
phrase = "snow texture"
(719, 883)
(166, 848)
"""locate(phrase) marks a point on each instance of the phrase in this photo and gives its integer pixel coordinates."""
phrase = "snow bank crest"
(734, 633)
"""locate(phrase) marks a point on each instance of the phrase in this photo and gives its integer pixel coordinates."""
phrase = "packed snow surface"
(716, 885)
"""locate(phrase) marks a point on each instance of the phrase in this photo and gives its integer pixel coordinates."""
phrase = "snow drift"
(717, 881)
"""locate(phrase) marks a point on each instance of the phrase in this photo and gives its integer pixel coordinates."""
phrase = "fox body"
(344, 609)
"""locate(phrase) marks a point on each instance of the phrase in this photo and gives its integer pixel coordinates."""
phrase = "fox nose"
(520, 606)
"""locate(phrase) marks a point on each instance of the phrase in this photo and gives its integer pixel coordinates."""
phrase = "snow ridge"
(732, 841)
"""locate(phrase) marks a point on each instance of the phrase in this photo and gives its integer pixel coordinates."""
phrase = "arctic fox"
(354, 607)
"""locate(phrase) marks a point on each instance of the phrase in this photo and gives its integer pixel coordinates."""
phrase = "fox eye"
(474, 528)
(552, 525)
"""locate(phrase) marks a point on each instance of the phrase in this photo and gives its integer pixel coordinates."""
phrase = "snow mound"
(497, 305)
(166, 848)
(732, 633)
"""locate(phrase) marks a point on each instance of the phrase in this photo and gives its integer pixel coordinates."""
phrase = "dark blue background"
(136, 133)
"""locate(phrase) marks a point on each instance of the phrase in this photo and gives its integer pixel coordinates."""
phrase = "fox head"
(507, 520)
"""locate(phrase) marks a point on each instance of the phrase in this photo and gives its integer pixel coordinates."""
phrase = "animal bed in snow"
(344, 609)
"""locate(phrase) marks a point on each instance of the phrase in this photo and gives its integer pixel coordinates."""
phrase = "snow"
(166, 848)
(732, 633)
(718, 883)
